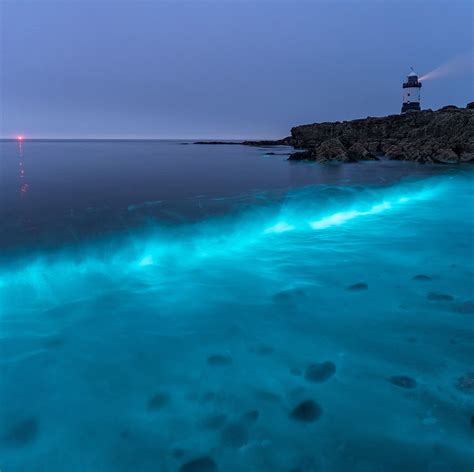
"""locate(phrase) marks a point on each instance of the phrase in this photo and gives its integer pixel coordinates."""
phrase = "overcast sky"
(220, 69)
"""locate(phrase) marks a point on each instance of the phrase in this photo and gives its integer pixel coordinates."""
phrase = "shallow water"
(60, 192)
(149, 348)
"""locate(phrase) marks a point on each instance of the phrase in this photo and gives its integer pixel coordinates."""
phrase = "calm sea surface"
(55, 192)
(178, 307)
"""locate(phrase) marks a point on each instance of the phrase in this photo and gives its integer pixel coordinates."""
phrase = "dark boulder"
(320, 372)
(201, 464)
(302, 156)
(403, 381)
(422, 277)
(440, 297)
(307, 411)
(332, 150)
(219, 360)
(358, 287)
(22, 432)
(464, 307)
(158, 401)
(358, 152)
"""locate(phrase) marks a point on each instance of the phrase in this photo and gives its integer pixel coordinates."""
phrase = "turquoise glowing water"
(147, 350)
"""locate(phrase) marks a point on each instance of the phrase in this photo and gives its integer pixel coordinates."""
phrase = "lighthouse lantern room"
(411, 93)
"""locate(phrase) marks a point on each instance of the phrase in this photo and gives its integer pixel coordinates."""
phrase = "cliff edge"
(445, 135)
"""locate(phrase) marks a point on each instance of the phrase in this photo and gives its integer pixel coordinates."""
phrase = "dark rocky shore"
(445, 135)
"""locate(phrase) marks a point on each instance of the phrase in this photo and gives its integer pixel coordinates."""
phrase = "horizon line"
(126, 139)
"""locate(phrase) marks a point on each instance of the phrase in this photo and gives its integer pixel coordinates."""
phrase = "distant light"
(20, 137)
(280, 227)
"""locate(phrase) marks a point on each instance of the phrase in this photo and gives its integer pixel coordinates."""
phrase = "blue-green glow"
(280, 227)
(340, 218)
(89, 334)
(216, 239)
(146, 261)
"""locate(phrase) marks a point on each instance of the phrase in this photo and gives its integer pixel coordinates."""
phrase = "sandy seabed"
(331, 332)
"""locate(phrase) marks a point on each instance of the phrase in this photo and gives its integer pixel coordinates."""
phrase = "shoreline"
(443, 136)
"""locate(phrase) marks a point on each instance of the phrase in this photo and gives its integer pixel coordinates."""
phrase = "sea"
(167, 306)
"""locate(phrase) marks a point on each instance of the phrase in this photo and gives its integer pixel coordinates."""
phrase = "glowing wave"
(189, 246)
(340, 218)
(212, 246)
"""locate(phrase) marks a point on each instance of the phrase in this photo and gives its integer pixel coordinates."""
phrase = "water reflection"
(24, 186)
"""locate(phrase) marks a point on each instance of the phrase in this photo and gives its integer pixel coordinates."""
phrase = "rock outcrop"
(445, 135)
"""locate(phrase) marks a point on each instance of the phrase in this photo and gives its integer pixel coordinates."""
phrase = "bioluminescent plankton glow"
(280, 227)
(176, 299)
(220, 238)
(240, 335)
(213, 245)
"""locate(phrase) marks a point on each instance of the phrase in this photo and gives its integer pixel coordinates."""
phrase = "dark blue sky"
(223, 69)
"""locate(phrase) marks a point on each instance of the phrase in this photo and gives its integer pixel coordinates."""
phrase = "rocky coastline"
(445, 136)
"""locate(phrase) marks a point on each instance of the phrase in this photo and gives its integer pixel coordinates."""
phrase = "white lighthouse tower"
(411, 93)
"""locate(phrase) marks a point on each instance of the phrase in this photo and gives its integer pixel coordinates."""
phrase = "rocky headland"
(445, 135)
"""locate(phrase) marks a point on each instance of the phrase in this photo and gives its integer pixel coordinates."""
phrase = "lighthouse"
(411, 93)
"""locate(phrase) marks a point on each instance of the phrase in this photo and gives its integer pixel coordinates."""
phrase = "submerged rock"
(22, 432)
(201, 464)
(465, 383)
(302, 156)
(307, 411)
(219, 360)
(422, 277)
(289, 295)
(440, 297)
(320, 372)
(403, 381)
(158, 401)
(358, 287)
(235, 435)
(465, 307)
